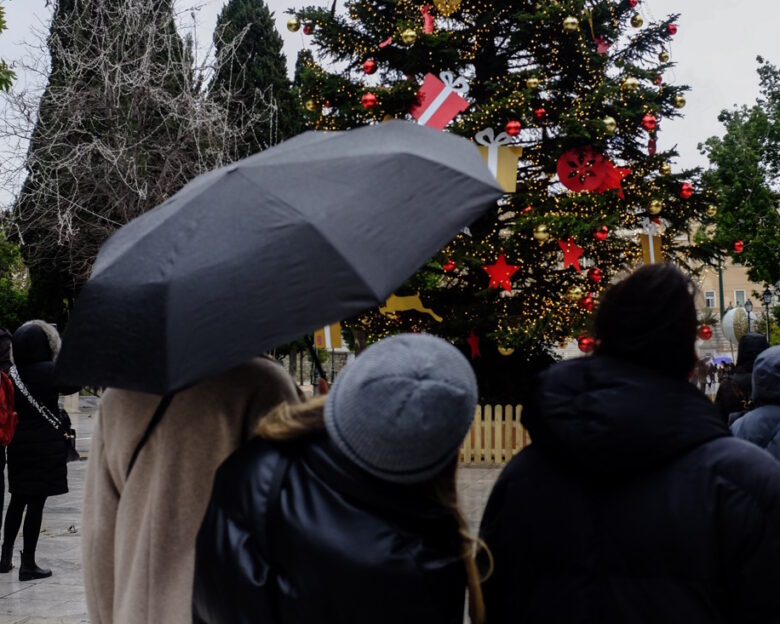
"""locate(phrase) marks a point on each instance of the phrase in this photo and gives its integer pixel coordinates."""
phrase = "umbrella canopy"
(256, 254)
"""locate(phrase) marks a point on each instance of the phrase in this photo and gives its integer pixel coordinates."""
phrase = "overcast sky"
(715, 49)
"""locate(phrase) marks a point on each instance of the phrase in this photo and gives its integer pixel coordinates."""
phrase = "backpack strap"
(156, 418)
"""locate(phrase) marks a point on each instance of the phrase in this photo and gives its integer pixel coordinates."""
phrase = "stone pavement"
(60, 599)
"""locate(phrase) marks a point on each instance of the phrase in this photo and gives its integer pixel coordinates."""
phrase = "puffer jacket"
(735, 391)
(761, 426)
(37, 454)
(632, 504)
(328, 544)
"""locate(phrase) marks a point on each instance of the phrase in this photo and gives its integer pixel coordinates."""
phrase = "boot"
(29, 570)
(6, 559)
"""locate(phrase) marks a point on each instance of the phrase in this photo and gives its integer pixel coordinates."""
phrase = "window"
(739, 297)
(709, 298)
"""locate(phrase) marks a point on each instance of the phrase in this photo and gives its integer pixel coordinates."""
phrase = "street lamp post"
(766, 298)
(749, 310)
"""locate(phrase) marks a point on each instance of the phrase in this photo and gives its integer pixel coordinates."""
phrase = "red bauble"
(473, 342)
(659, 79)
(513, 127)
(308, 28)
(586, 343)
(540, 113)
(527, 209)
(672, 29)
(368, 100)
(739, 246)
(586, 303)
(649, 122)
(448, 266)
(581, 169)
(705, 332)
(686, 190)
(601, 233)
(595, 275)
(369, 66)
(633, 3)
(652, 146)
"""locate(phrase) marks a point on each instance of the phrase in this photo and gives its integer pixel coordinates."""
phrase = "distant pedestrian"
(761, 425)
(634, 503)
(38, 453)
(345, 509)
(734, 394)
(139, 530)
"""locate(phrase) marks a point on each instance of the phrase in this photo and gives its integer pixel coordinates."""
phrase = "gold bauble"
(663, 56)
(532, 83)
(506, 351)
(630, 85)
(610, 125)
(666, 169)
(679, 101)
(540, 233)
(409, 36)
(637, 21)
(388, 117)
(575, 293)
(711, 211)
(446, 7)
(293, 24)
(656, 206)
(571, 24)
(311, 106)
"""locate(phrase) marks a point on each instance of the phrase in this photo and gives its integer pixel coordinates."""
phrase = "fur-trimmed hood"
(36, 341)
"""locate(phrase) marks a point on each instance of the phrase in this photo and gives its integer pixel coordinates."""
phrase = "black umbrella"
(256, 254)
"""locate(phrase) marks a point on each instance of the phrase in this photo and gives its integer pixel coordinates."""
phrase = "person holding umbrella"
(139, 524)
(239, 261)
(345, 509)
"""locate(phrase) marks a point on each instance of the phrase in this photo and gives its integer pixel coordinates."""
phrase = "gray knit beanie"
(401, 410)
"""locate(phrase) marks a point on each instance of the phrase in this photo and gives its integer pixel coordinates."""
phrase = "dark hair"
(650, 319)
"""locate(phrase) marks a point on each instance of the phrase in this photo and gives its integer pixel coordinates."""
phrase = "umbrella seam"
(379, 299)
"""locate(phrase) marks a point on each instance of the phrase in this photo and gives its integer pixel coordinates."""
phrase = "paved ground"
(60, 599)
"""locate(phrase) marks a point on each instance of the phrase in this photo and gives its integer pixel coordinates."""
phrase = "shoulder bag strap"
(44, 411)
(156, 418)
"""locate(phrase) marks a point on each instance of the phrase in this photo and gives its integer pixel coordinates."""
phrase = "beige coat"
(139, 534)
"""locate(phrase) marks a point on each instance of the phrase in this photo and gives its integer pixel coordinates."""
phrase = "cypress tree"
(256, 70)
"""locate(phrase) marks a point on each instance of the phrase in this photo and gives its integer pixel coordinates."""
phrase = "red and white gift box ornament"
(501, 157)
(441, 99)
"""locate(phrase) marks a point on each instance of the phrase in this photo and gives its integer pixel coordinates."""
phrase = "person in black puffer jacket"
(633, 503)
(761, 426)
(37, 454)
(347, 513)
(733, 398)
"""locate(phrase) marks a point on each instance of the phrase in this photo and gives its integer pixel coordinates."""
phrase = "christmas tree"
(565, 99)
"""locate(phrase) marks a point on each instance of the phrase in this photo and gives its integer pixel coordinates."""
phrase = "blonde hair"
(290, 422)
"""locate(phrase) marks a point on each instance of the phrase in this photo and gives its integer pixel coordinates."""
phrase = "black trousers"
(32, 521)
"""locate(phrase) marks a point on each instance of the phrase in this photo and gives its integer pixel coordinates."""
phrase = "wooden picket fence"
(496, 436)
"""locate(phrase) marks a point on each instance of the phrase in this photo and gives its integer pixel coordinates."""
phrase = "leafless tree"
(119, 117)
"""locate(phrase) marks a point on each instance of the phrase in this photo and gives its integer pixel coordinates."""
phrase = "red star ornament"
(473, 341)
(571, 254)
(501, 273)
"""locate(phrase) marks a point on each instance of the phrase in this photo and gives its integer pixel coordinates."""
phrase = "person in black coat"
(344, 510)
(5, 365)
(633, 503)
(37, 454)
(734, 393)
